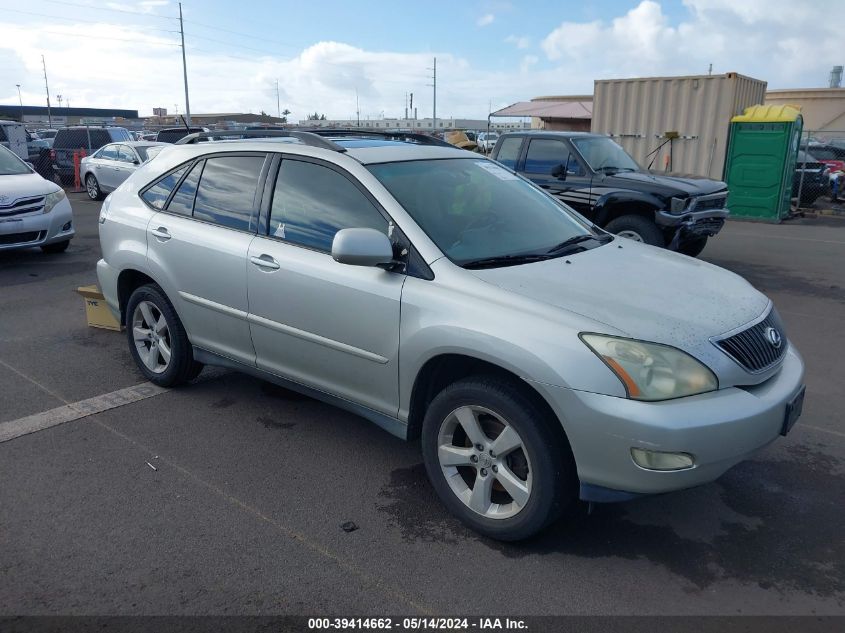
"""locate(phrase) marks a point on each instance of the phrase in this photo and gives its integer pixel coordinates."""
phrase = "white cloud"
(485, 20)
(527, 62)
(521, 42)
(786, 43)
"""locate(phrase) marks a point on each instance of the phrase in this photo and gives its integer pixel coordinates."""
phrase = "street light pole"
(47, 88)
(20, 99)
(184, 68)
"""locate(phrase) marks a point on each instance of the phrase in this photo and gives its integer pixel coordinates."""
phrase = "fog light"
(657, 460)
(66, 227)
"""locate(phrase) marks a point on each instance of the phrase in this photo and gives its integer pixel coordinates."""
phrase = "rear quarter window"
(157, 194)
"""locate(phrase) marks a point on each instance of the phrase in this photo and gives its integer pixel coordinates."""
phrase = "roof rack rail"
(421, 139)
(307, 138)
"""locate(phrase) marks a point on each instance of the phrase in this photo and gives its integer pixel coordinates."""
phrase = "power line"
(92, 7)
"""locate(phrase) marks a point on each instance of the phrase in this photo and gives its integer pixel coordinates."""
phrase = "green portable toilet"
(760, 163)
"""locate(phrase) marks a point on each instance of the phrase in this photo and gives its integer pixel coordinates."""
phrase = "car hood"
(21, 185)
(667, 185)
(639, 291)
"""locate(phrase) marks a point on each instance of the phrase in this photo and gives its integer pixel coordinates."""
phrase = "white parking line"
(77, 410)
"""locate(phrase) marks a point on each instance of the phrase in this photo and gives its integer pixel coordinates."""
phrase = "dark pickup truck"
(596, 177)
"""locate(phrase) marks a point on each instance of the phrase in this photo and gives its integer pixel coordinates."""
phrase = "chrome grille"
(752, 348)
(22, 205)
(711, 202)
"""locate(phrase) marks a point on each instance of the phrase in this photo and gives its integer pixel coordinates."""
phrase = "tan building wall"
(823, 109)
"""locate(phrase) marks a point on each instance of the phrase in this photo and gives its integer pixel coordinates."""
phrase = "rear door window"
(156, 196)
(509, 151)
(227, 191)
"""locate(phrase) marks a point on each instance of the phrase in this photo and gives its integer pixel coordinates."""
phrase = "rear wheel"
(637, 228)
(66, 180)
(157, 339)
(693, 247)
(495, 460)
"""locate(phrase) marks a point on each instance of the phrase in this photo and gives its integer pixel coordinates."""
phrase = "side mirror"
(559, 171)
(362, 247)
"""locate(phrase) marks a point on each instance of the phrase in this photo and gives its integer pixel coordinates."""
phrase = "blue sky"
(125, 53)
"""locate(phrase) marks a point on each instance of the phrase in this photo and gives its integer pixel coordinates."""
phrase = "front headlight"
(678, 205)
(652, 371)
(52, 199)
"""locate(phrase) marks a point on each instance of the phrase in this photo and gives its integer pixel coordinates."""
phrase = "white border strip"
(76, 410)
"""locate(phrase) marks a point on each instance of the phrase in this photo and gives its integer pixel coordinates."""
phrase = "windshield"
(476, 210)
(603, 154)
(10, 164)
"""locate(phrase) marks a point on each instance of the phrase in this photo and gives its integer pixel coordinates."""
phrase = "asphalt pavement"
(229, 496)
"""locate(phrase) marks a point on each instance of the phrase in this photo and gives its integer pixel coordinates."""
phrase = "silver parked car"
(538, 358)
(107, 168)
(33, 211)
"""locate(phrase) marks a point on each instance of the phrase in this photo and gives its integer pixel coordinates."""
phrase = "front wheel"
(92, 187)
(496, 460)
(157, 339)
(637, 228)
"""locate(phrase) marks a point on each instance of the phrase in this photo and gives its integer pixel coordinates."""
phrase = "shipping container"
(677, 124)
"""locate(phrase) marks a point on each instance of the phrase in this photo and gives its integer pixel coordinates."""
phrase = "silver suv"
(539, 359)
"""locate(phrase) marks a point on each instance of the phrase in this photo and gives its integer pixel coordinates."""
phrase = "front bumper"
(693, 223)
(719, 429)
(37, 229)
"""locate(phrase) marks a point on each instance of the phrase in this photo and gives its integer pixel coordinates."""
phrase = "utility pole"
(710, 70)
(278, 103)
(184, 68)
(357, 108)
(20, 100)
(47, 88)
(434, 85)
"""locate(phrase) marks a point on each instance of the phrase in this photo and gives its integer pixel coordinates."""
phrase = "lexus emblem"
(774, 337)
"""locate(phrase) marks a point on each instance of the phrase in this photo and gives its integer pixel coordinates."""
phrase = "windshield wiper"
(578, 239)
(504, 260)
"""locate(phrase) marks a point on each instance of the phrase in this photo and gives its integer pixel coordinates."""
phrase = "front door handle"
(161, 234)
(265, 261)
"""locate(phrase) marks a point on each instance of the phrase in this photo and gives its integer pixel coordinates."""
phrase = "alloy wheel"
(631, 235)
(151, 334)
(484, 461)
(91, 188)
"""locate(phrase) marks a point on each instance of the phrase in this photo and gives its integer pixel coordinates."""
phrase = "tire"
(542, 463)
(92, 187)
(693, 247)
(56, 247)
(638, 228)
(67, 181)
(149, 303)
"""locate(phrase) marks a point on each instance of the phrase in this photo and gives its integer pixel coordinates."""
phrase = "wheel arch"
(612, 206)
(129, 280)
(441, 370)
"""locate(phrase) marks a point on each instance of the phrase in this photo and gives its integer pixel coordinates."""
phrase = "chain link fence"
(819, 177)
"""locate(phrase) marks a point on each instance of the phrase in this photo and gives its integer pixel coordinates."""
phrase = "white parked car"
(106, 169)
(487, 140)
(33, 211)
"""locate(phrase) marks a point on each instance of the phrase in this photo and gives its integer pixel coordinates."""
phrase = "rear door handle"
(265, 261)
(161, 234)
